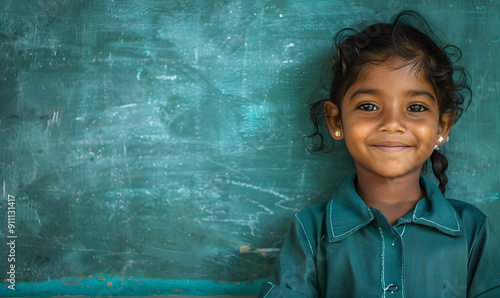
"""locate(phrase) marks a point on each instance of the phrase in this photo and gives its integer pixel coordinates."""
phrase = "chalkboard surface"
(156, 147)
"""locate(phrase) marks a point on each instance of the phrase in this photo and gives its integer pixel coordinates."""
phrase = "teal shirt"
(343, 248)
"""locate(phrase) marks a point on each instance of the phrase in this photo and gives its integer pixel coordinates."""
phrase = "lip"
(391, 147)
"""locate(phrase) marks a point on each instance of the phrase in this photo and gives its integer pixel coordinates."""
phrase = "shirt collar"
(435, 211)
(346, 212)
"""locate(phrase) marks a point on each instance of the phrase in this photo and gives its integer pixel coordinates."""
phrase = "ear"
(333, 121)
(445, 124)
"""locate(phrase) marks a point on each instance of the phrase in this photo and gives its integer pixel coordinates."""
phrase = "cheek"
(427, 137)
(354, 137)
(426, 133)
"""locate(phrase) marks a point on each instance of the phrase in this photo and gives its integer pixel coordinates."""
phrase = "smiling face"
(390, 120)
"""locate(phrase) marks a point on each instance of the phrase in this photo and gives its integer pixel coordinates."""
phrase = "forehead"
(393, 74)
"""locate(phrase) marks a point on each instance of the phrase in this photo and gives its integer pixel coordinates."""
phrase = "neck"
(394, 197)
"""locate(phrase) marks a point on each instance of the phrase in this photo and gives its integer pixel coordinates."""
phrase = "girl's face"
(390, 120)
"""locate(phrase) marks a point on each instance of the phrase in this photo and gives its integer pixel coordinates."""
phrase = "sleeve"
(484, 264)
(294, 273)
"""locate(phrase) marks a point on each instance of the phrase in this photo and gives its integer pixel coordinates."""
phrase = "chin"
(397, 174)
(392, 171)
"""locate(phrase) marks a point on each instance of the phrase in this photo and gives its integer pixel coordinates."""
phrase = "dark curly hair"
(410, 37)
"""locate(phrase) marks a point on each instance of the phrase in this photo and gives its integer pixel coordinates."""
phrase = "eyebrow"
(363, 91)
(413, 93)
(410, 93)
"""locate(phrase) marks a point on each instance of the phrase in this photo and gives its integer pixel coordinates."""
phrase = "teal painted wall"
(159, 144)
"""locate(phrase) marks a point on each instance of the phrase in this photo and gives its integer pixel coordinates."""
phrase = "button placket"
(401, 234)
(392, 273)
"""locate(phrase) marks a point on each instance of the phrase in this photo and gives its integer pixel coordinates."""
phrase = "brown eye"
(368, 107)
(416, 108)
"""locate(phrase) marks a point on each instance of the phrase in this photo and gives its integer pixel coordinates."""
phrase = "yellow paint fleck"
(110, 284)
(263, 251)
(101, 278)
(244, 248)
(179, 290)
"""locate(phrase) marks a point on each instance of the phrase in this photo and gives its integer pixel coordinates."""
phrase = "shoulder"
(483, 247)
(467, 212)
(311, 221)
(473, 219)
(312, 216)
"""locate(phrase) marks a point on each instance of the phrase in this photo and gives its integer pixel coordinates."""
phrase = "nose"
(392, 119)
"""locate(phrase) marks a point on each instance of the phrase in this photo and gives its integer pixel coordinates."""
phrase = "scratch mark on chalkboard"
(128, 106)
(36, 30)
(38, 217)
(139, 71)
(167, 78)
(488, 145)
(269, 191)
(54, 120)
(228, 168)
(268, 211)
(162, 249)
(494, 197)
(248, 249)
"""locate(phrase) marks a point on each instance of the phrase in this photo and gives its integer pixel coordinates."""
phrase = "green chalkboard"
(156, 147)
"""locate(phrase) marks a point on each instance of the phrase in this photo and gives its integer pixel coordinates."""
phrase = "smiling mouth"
(391, 149)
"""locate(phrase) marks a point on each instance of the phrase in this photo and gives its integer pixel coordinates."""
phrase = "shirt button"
(392, 288)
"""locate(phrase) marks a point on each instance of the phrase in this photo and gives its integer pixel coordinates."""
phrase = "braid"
(439, 166)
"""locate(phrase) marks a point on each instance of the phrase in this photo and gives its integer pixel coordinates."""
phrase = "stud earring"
(440, 139)
(338, 133)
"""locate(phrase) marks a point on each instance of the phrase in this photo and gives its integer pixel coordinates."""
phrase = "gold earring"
(337, 133)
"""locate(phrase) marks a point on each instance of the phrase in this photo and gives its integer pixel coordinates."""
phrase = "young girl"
(389, 231)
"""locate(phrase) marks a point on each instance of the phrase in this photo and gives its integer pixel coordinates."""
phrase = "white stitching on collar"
(444, 227)
(361, 224)
(307, 238)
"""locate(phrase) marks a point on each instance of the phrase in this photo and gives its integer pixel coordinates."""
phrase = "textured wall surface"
(156, 147)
